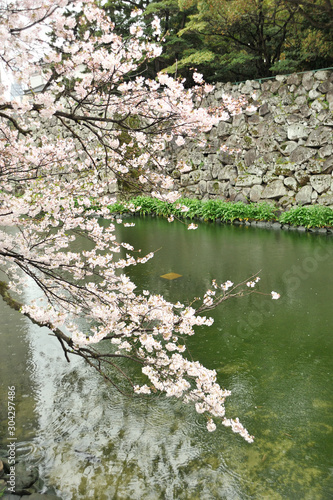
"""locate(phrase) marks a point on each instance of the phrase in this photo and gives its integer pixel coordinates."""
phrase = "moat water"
(90, 442)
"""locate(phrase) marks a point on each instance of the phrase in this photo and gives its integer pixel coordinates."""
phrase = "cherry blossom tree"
(94, 122)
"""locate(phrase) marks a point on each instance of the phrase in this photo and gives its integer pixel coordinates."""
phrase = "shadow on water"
(275, 356)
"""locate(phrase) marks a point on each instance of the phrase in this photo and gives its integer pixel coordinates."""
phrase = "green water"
(276, 357)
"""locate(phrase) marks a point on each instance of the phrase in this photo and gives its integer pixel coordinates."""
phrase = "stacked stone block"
(285, 146)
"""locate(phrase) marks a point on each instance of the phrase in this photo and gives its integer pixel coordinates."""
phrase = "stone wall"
(286, 145)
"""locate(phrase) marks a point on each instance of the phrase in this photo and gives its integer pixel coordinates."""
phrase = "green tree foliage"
(233, 40)
(310, 42)
(260, 38)
(173, 20)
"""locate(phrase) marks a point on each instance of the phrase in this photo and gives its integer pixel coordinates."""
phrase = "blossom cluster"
(105, 127)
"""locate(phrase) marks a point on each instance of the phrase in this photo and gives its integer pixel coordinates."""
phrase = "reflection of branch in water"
(124, 462)
(88, 456)
(91, 356)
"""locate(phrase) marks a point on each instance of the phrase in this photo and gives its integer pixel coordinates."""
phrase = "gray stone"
(215, 170)
(319, 137)
(325, 199)
(321, 183)
(249, 157)
(25, 477)
(283, 169)
(313, 94)
(224, 188)
(266, 86)
(280, 119)
(327, 167)
(194, 177)
(255, 193)
(212, 134)
(225, 158)
(264, 109)
(294, 79)
(292, 118)
(287, 201)
(260, 130)
(268, 158)
(238, 120)
(191, 191)
(286, 96)
(241, 197)
(322, 74)
(281, 78)
(223, 129)
(300, 91)
(254, 131)
(206, 175)
(213, 187)
(305, 111)
(253, 120)
(264, 225)
(269, 177)
(313, 166)
(267, 118)
(285, 145)
(203, 187)
(226, 173)
(297, 131)
(325, 116)
(302, 177)
(314, 196)
(274, 190)
(300, 100)
(246, 88)
(183, 154)
(325, 151)
(248, 180)
(325, 87)
(196, 157)
(317, 105)
(206, 163)
(303, 197)
(275, 87)
(184, 179)
(291, 183)
(233, 192)
(269, 141)
(301, 154)
(308, 81)
(288, 147)
(257, 169)
(329, 96)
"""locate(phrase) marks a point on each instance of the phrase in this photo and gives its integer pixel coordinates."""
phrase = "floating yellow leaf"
(171, 276)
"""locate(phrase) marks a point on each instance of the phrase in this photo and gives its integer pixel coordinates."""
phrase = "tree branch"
(88, 354)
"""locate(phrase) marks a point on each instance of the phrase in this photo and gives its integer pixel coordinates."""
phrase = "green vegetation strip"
(211, 210)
